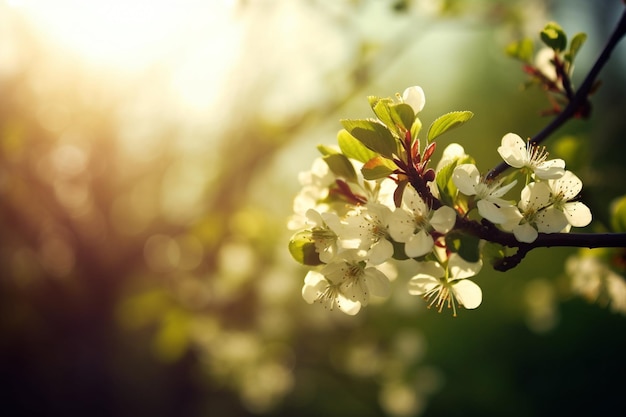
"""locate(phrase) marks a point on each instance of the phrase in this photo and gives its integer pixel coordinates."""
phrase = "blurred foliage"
(144, 267)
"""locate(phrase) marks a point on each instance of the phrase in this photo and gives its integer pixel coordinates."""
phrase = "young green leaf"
(522, 50)
(341, 166)
(302, 249)
(577, 42)
(554, 36)
(326, 150)
(353, 148)
(447, 189)
(372, 134)
(446, 122)
(378, 167)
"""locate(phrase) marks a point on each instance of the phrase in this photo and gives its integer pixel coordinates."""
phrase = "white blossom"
(536, 214)
(413, 222)
(346, 281)
(446, 283)
(369, 225)
(490, 204)
(529, 156)
(564, 190)
(414, 97)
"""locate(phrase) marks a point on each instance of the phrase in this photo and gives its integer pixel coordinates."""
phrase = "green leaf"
(522, 50)
(373, 135)
(492, 253)
(381, 108)
(446, 122)
(554, 36)
(447, 189)
(577, 42)
(415, 128)
(378, 167)
(353, 148)
(618, 215)
(341, 166)
(302, 248)
(326, 150)
(402, 115)
(465, 245)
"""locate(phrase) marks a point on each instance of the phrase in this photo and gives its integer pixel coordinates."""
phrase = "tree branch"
(579, 103)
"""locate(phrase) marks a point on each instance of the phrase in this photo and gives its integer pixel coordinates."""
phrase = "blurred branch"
(579, 104)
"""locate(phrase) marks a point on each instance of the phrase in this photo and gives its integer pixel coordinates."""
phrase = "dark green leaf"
(554, 37)
(302, 249)
(341, 166)
(465, 245)
(402, 115)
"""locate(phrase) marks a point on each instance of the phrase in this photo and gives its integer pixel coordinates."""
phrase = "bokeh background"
(149, 154)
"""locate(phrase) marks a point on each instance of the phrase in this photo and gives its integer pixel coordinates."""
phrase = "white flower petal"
(460, 268)
(491, 212)
(401, 225)
(468, 293)
(314, 284)
(577, 214)
(419, 244)
(443, 219)
(550, 220)
(414, 97)
(377, 282)
(552, 169)
(525, 233)
(380, 252)
(513, 150)
(466, 177)
(348, 306)
(569, 185)
(422, 285)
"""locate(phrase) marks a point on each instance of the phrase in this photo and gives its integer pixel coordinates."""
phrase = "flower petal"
(550, 220)
(577, 214)
(443, 219)
(466, 177)
(460, 268)
(414, 97)
(513, 150)
(348, 306)
(552, 169)
(525, 233)
(491, 212)
(422, 285)
(377, 282)
(380, 252)
(468, 293)
(419, 244)
(401, 225)
(314, 285)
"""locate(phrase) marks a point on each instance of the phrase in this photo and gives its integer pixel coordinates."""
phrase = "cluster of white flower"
(547, 202)
(349, 227)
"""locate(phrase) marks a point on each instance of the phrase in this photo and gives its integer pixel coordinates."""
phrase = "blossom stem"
(579, 104)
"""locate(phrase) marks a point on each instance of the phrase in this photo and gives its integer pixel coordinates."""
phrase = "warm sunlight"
(190, 40)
